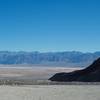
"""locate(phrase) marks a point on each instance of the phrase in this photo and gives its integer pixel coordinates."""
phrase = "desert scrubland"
(51, 92)
(42, 91)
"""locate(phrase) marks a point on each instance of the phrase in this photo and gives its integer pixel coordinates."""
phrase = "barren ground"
(51, 92)
(38, 73)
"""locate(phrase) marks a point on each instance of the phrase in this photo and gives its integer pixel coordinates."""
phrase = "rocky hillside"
(89, 74)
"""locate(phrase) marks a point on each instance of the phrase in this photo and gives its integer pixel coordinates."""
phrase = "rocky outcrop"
(89, 74)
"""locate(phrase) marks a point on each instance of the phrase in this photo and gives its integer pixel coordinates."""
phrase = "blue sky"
(50, 25)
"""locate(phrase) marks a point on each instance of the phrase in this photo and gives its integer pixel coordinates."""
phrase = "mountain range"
(68, 58)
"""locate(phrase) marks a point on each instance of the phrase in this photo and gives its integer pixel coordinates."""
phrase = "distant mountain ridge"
(73, 58)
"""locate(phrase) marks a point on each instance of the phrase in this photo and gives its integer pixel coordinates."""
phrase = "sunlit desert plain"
(42, 91)
(32, 73)
(51, 92)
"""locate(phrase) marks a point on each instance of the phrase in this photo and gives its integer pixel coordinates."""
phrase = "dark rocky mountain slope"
(89, 74)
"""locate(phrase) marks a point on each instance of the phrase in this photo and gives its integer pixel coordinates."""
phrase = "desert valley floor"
(51, 92)
(34, 73)
(43, 92)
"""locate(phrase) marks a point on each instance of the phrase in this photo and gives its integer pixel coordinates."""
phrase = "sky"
(50, 25)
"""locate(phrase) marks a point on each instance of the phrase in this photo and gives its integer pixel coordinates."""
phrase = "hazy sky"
(50, 25)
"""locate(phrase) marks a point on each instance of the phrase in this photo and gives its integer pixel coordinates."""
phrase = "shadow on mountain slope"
(89, 74)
